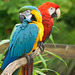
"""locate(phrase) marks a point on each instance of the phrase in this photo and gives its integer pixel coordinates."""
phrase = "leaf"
(34, 72)
(1, 57)
(4, 41)
(50, 61)
(56, 28)
(39, 72)
(39, 61)
(43, 61)
(5, 52)
(50, 70)
(51, 38)
(44, 70)
(57, 57)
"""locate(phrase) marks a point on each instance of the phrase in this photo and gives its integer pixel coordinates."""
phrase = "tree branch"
(18, 63)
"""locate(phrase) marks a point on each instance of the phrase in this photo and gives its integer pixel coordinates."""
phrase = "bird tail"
(18, 71)
(28, 69)
(8, 59)
(24, 72)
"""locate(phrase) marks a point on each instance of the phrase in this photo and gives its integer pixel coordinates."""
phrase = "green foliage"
(57, 57)
(1, 57)
(40, 68)
(9, 14)
(51, 38)
(70, 16)
(43, 61)
(65, 35)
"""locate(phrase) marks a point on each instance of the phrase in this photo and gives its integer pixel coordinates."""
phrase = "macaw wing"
(14, 30)
(23, 40)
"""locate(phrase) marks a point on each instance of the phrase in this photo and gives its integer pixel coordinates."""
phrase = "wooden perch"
(62, 50)
(18, 63)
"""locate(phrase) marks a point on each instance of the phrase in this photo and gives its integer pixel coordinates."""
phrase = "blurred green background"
(9, 16)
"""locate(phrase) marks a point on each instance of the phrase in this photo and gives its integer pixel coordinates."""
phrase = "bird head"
(51, 8)
(31, 13)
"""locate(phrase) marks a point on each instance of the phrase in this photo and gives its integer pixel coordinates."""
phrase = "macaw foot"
(41, 46)
(29, 59)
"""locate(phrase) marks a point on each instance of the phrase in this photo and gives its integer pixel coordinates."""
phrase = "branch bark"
(18, 63)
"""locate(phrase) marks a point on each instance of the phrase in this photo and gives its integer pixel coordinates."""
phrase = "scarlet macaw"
(48, 11)
(26, 36)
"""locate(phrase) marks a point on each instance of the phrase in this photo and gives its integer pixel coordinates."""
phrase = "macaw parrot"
(48, 11)
(26, 35)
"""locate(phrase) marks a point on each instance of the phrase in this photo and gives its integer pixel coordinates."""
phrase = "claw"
(29, 59)
(41, 46)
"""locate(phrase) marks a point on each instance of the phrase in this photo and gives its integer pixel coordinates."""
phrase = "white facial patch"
(27, 14)
(51, 10)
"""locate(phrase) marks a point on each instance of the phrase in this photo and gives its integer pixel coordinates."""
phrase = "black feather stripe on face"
(33, 18)
(21, 17)
(54, 14)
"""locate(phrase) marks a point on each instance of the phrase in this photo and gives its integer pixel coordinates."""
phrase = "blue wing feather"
(23, 39)
(21, 43)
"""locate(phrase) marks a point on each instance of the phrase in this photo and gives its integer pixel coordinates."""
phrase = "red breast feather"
(46, 18)
(48, 23)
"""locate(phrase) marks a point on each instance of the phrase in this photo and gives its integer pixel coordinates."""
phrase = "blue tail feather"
(8, 60)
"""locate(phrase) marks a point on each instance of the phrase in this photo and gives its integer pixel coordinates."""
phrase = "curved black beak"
(54, 15)
(21, 17)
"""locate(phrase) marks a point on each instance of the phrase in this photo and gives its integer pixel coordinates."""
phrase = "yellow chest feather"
(39, 36)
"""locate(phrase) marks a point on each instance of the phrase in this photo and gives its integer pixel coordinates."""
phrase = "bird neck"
(26, 21)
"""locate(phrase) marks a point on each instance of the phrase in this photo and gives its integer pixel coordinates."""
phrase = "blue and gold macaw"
(26, 35)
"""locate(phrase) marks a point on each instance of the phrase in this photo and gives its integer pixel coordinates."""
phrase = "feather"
(22, 42)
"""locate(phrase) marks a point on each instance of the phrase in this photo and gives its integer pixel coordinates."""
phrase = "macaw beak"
(56, 14)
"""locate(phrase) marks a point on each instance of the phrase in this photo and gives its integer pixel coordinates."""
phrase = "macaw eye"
(51, 8)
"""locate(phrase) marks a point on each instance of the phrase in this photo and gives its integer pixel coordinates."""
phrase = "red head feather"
(47, 5)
